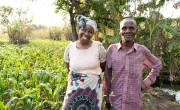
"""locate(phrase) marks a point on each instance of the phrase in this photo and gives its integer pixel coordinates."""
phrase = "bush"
(54, 33)
(40, 34)
(18, 33)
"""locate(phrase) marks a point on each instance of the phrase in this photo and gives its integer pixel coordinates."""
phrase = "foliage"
(5, 12)
(40, 34)
(66, 31)
(162, 37)
(109, 39)
(107, 15)
(176, 5)
(16, 22)
(18, 34)
(55, 33)
(70, 7)
(176, 35)
(32, 76)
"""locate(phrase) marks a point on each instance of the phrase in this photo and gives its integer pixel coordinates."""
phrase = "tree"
(16, 22)
(107, 13)
(161, 36)
(71, 7)
(5, 13)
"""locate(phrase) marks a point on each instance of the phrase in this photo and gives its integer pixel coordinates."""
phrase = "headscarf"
(83, 21)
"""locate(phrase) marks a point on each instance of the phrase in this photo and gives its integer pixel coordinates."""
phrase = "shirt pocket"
(136, 67)
(117, 63)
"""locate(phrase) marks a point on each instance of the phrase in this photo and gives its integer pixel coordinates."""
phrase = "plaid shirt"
(124, 76)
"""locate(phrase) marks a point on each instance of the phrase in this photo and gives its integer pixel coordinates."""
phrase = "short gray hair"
(128, 18)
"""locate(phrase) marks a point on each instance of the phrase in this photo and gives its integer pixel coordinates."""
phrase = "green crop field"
(32, 76)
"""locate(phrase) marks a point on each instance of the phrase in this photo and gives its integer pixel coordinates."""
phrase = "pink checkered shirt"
(124, 82)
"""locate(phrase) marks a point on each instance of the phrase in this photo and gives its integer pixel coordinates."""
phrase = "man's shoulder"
(140, 47)
(114, 45)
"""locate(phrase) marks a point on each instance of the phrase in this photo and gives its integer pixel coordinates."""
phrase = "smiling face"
(86, 33)
(128, 29)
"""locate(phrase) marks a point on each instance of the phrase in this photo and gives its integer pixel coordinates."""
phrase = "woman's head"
(87, 28)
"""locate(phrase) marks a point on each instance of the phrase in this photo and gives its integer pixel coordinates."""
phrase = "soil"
(156, 99)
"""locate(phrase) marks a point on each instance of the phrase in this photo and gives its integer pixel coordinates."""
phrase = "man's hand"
(143, 86)
(108, 106)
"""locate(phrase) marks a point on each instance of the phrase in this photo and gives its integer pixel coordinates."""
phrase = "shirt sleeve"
(108, 75)
(154, 64)
(66, 53)
(108, 57)
(102, 53)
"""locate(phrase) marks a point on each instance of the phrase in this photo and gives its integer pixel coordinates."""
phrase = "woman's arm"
(67, 66)
(102, 65)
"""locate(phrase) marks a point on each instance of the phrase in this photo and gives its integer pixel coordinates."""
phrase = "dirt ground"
(156, 99)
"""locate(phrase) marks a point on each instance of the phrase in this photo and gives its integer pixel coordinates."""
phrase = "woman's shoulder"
(71, 43)
(97, 43)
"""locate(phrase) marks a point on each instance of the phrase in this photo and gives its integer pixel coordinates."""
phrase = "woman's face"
(86, 33)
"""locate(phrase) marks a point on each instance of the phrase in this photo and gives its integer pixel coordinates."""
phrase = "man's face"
(128, 29)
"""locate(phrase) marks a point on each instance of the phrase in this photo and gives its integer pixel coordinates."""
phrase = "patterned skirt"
(84, 92)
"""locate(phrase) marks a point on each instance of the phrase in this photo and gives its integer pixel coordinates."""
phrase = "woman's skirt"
(84, 92)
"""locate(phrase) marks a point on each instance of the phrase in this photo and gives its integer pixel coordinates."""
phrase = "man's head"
(128, 29)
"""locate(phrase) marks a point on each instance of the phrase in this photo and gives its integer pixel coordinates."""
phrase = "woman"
(85, 60)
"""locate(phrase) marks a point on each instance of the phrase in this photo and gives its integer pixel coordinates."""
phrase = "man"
(123, 72)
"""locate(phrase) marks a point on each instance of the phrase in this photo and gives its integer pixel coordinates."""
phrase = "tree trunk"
(73, 25)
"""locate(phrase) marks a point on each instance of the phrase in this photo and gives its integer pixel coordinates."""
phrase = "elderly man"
(123, 72)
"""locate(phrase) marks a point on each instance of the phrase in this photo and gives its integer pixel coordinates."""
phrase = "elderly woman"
(85, 60)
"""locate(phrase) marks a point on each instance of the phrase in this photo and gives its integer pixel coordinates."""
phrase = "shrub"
(41, 33)
(18, 33)
(54, 33)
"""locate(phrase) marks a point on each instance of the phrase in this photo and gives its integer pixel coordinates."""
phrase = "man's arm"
(155, 65)
(108, 78)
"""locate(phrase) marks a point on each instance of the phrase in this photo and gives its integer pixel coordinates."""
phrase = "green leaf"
(170, 29)
(11, 101)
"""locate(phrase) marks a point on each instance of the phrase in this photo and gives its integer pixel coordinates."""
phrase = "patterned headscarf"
(88, 21)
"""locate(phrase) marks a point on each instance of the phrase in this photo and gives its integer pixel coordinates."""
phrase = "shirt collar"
(120, 46)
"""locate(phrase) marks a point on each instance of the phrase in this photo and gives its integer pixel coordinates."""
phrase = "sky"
(43, 11)
(168, 10)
